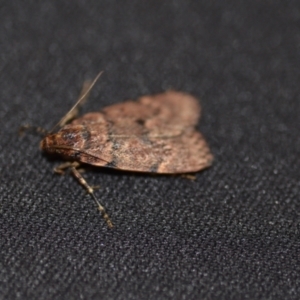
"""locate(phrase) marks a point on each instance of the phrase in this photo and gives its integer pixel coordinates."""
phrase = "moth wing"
(181, 153)
(154, 134)
(129, 147)
(172, 108)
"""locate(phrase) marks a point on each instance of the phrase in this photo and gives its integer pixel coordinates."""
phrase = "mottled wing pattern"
(154, 134)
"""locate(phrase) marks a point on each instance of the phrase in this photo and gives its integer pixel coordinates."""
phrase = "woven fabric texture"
(233, 233)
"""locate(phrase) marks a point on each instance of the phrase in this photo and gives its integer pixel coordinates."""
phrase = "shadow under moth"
(155, 134)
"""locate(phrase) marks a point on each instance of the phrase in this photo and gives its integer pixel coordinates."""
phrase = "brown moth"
(154, 134)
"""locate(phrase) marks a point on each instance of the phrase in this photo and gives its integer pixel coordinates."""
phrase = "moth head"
(66, 142)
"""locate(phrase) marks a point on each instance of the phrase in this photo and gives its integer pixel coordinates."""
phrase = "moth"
(155, 134)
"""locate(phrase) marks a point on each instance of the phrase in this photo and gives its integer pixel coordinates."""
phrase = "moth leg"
(189, 176)
(81, 170)
(90, 190)
(96, 187)
(62, 167)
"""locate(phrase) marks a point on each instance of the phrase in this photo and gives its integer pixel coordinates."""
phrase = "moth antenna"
(78, 101)
(90, 190)
(36, 129)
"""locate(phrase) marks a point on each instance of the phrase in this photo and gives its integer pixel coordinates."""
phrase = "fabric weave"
(233, 233)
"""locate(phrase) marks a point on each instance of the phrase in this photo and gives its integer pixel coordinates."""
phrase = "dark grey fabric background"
(231, 234)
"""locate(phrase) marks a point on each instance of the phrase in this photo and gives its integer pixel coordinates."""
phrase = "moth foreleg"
(90, 190)
(64, 166)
